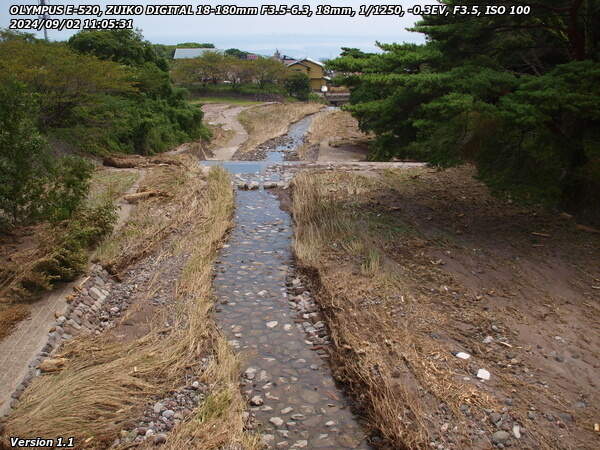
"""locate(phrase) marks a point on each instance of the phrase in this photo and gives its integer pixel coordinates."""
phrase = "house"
(313, 69)
(251, 56)
(187, 53)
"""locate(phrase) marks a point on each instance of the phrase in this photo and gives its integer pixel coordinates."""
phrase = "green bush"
(67, 254)
(68, 185)
(297, 85)
(316, 98)
(33, 185)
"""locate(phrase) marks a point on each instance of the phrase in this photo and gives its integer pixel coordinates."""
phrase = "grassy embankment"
(106, 383)
(270, 121)
(411, 266)
(337, 127)
(238, 93)
(44, 254)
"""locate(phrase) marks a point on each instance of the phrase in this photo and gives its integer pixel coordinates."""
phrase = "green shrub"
(67, 254)
(34, 186)
(68, 185)
(297, 85)
(316, 98)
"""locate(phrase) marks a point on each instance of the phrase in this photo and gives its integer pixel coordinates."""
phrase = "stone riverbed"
(268, 315)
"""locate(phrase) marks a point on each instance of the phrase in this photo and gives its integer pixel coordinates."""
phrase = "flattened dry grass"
(269, 121)
(10, 316)
(380, 322)
(152, 219)
(105, 384)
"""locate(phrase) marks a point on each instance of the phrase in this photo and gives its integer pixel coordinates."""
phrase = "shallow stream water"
(293, 397)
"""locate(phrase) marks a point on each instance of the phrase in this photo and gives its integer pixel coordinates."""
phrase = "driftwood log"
(123, 163)
(134, 198)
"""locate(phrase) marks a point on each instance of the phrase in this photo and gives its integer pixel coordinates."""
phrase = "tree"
(23, 156)
(10, 35)
(245, 70)
(209, 67)
(236, 53)
(123, 46)
(502, 91)
(269, 71)
(195, 45)
(64, 79)
(352, 53)
(100, 105)
(297, 85)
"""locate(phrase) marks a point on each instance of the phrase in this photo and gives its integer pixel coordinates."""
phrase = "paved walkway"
(26, 341)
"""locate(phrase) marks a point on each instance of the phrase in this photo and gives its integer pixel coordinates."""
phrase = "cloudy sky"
(316, 37)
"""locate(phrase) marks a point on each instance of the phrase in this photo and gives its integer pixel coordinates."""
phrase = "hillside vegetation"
(101, 92)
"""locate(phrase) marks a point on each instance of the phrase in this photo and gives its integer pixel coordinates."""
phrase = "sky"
(317, 37)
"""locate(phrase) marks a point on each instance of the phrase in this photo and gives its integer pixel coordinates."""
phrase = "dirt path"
(226, 116)
(29, 337)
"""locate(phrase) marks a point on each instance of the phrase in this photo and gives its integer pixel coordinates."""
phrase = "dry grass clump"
(265, 122)
(380, 321)
(10, 316)
(105, 385)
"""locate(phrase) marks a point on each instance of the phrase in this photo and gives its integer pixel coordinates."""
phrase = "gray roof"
(185, 53)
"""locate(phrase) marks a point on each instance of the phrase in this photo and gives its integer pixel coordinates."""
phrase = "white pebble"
(483, 374)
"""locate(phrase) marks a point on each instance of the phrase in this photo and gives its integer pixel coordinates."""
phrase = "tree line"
(229, 67)
(517, 95)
